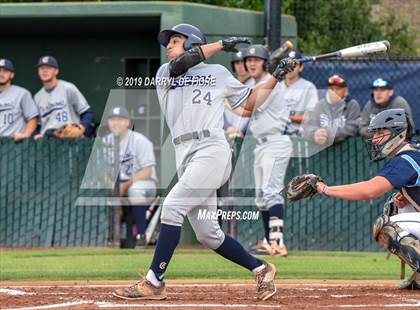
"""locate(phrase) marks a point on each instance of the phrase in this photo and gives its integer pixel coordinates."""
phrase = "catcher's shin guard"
(406, 246)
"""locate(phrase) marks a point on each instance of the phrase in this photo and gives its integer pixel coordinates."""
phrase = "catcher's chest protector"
(412, 192)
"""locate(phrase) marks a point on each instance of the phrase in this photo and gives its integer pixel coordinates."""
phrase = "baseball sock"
(139, 213)
(235, 252)
(169, 236)
(276, 223)
(266, 217)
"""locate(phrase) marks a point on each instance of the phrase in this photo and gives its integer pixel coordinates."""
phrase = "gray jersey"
(271, 117)
(136, 153)
(300, 97)
(16, 108)
(62, 105)
(194, 101)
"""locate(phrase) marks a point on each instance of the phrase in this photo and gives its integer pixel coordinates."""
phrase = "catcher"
(398, 228)
(64, 111)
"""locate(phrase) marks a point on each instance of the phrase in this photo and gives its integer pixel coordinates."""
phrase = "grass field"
(116, 264)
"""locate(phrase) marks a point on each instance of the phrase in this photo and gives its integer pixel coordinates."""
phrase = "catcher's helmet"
(258, 51)
(395, 120)
(193, 34)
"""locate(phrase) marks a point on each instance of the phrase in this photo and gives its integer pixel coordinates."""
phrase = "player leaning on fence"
(383, 97)
(335, 117)
(18, 112)
(64, 110)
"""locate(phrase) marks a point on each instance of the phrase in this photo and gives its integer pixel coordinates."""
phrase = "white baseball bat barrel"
(354, 51)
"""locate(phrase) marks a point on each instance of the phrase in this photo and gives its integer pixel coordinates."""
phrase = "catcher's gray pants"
(270, 165)
(203, 166)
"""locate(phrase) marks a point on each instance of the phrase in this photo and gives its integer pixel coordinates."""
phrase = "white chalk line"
(62, 305)
(13, 292)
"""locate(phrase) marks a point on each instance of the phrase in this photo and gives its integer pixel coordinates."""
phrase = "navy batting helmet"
(238, 56)
(193, 34)
(258, 51)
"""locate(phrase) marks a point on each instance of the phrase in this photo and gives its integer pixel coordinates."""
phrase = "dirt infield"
(210, 295)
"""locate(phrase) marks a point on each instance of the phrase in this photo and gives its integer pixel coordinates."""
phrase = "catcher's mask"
(389, 130)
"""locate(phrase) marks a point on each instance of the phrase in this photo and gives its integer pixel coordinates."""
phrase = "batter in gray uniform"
(18, 112)
(271, 155)
(191, 95)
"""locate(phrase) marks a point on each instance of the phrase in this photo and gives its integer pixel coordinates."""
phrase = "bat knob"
(387, 44)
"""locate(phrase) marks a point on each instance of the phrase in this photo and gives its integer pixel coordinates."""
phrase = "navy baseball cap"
(293, 53)
(119, 112)
(48, 60)
(7, 64)
(381, 83)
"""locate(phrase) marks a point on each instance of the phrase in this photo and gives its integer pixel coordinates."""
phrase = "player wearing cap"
(298, 94)
(335, 117)
(60, 102)
(383, 98)
(137, 166)
(18, 112)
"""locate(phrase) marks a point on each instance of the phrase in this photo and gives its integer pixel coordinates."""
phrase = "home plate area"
(211, 295)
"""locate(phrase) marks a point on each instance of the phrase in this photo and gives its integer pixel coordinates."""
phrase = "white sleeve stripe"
(82, 110)
(237, 104)
(35, 114)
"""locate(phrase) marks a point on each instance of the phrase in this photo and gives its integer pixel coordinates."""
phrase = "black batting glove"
(229, 43)
(285, 66)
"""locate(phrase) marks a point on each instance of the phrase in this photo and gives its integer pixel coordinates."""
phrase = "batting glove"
(229, 43)
(285, 66)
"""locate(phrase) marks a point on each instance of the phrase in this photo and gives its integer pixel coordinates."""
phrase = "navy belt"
(195, 135)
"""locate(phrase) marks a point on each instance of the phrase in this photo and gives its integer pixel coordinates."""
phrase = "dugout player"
(60, 102)
(335, 117)
(271, 155)
(18, 112)
(383, 97)
(194, 114)
(137, 167)
(397, 231)
(236, 125)
(298, 94)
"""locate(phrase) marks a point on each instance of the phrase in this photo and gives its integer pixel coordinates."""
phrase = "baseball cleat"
(279, 249)
(265, 282)
(411, 283)
(263, 247)
(141, 290)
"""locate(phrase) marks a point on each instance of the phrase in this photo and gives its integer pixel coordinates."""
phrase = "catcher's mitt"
(70, 131)
(302, 186)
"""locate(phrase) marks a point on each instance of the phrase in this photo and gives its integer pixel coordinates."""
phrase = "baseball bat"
(278, 53)
(354, 51)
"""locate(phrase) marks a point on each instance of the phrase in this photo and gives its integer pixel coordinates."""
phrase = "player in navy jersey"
(398, 228)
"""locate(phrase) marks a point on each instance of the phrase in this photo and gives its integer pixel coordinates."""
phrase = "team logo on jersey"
(2, 62)
(45, 59)
(162, 265)
(6, 106)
